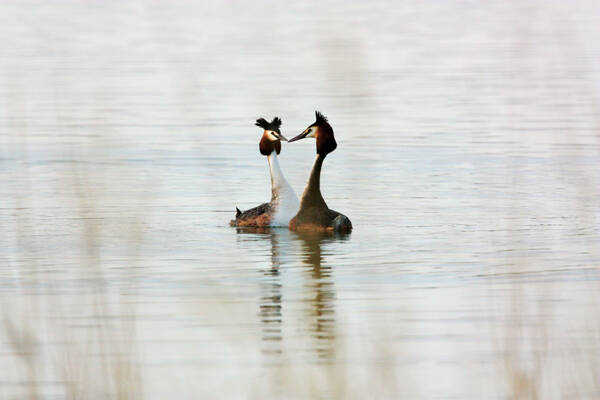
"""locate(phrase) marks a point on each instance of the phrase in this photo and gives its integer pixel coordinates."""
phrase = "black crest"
(269, 126)
(276, 123)
(321, 119)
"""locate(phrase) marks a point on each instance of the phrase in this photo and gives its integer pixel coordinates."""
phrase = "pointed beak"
(300, 136)
(278, 135)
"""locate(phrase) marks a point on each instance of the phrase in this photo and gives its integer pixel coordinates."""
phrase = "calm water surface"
(467, 160)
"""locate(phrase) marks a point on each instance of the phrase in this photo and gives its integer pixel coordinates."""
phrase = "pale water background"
(468, 161)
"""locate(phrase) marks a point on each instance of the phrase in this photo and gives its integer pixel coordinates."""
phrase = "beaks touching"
(300, 136)
(280, 136)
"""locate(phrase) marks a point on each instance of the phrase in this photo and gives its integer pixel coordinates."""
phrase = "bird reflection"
(270, 299)
(318, 293)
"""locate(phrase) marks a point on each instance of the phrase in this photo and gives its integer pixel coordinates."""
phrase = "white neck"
(277, 178)
(283, 196)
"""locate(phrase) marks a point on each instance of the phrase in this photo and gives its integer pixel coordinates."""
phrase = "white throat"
(283, 197)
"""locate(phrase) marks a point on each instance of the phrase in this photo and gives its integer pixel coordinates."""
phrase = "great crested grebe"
(314, 215)
(284, 202)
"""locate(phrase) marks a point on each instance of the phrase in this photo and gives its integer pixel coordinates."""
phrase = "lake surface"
(468, 161)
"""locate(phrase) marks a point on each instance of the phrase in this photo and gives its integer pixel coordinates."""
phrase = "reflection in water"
(320, 294)
(270, 299)
(317, 292)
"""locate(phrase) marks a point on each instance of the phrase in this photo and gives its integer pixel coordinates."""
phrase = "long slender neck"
(277, 179)
(312, 194)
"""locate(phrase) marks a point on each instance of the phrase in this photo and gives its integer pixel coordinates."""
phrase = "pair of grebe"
(311, 212)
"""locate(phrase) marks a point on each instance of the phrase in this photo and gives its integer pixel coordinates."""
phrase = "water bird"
(314, 215)
(284, 202)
